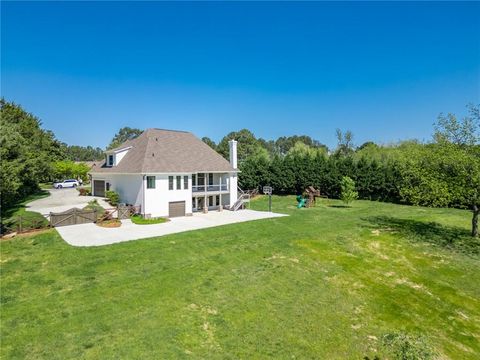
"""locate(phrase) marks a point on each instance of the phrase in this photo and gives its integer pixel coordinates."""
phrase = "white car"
(70, 183)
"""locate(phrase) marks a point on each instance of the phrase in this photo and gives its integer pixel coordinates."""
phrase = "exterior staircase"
(242, 199)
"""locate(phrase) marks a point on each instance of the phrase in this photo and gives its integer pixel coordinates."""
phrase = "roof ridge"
(182, 131)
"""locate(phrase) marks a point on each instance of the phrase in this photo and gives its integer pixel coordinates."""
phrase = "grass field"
(325, 283)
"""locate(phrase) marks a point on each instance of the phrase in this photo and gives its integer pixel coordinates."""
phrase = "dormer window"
(110, 160)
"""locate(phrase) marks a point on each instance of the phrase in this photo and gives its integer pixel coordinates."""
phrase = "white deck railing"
(209, 188)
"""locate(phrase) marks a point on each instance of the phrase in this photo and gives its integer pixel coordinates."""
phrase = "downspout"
(143, 195)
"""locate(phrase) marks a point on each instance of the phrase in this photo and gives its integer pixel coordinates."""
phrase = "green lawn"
(325, 283)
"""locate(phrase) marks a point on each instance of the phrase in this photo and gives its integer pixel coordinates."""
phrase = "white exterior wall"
(132, 189)
(128, 186)
(119, 156)
(156, 200)
(233, 187)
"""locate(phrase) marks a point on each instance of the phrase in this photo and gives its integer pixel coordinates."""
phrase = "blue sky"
(382, 70)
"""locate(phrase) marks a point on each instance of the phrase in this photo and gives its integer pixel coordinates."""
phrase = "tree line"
(444, 172)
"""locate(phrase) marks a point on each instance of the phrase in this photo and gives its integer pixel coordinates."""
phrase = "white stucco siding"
(119, 156)
(156, 200)
(129, 187)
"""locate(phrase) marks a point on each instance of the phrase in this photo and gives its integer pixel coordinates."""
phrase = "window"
(185, 182)
(170, 183)
(210, 179)
(110, 160)
(150, 182)
(210, 201)
(194, 180)
(179, 183)
(217, 200)
(201, 179)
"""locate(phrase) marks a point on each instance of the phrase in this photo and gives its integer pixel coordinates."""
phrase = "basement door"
(176, 208)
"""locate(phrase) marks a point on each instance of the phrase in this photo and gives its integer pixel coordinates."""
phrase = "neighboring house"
(168, 173)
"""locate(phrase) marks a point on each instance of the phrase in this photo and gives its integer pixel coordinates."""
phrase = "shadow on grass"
(340, 206)
(31, 219)
(21, 203)
(454, 238)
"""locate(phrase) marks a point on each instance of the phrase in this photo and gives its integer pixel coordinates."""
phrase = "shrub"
(139, 220)
(408, 347)
(113, 197)
(84, 191)
(94, 205)
(348, 193)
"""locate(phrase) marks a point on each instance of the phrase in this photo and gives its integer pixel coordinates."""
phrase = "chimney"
(233, 153)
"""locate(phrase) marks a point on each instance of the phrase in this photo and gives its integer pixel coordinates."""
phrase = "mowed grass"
(326, 283)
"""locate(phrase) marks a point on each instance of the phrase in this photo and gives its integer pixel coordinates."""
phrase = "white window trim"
(110, 156)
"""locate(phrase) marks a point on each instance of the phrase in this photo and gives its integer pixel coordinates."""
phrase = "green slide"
(301, 201)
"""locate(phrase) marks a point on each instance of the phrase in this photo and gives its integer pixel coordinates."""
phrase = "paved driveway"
(62, 200)
(93, 235)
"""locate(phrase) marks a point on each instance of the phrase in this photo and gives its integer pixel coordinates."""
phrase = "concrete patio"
(93, 235)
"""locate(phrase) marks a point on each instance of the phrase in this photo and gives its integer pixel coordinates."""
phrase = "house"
(169, 173)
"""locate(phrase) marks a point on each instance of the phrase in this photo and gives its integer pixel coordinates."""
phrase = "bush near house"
(112, 197)
(84, 191)
(94, 205)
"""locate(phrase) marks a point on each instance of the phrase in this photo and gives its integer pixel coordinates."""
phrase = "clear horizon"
(382, 70)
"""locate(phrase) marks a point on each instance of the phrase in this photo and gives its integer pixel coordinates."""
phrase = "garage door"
(176, 208)
(98, 188)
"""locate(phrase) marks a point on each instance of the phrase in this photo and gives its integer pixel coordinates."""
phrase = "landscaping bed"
(140, 220)
(112, 223)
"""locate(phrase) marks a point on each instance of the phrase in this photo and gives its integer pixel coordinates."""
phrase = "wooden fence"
(20, 224)
(72, 217)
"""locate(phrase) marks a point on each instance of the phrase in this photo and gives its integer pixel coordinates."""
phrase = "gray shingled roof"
(167, 151)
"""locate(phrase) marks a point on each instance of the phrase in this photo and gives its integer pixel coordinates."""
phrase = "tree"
(209, 142)
(344, 142)
(348, 192)
(65, 169)
(26, 152)
(83, 153)
(285, 143)
(247, 144)
(463, 132)
(367, 145)
(124, 134)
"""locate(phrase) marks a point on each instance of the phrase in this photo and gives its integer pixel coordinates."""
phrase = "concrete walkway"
(62, 200)
(93, 235)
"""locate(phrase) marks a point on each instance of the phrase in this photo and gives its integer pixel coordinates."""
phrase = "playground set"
(309, 197)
